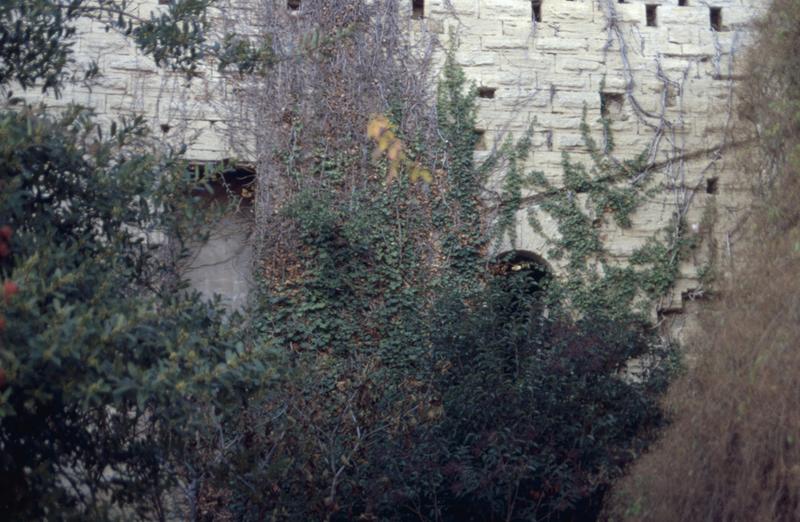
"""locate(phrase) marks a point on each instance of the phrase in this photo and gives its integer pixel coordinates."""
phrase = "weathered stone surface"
(547, 71)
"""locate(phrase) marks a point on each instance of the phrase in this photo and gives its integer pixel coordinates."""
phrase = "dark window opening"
(536, 7)
(480, 139)
(716, 18)
(651, 12)
(293, 5)
(486, 92)
(234, 185)
(712, 185)
(611, 104)
(531, 266)
(683, 3)
(418, 9)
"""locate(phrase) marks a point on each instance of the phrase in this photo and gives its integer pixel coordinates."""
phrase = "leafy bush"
(537, 419)
(109, 366)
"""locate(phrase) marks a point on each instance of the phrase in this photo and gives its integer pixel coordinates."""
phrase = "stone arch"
(522, 261)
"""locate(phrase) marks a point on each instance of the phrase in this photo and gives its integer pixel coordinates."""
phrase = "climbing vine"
(589, 201)
(423, 381)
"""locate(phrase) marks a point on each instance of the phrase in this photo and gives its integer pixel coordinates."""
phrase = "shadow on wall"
(223, 264)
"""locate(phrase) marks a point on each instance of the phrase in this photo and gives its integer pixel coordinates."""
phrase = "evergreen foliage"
(111, 371)
(109, 364)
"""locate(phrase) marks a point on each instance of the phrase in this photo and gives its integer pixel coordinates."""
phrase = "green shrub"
(109, 365)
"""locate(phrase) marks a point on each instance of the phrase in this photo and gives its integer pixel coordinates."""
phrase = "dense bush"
(421, 386)
(108, 364)
(536, 418)
(112, 373)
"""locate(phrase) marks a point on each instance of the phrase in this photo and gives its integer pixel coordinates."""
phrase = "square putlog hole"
(715, 15)
(486, 92)
(293, 5)
(480, 139)
(611, 104)
(651, 14)
(712, 185)
(417, 9)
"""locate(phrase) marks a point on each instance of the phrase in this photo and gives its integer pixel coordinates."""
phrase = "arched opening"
(522, 263)
(521, 278)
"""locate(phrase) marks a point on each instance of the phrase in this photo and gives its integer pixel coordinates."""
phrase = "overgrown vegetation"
(732, 451)
(37, 39)
(421, 386)
(110, 366)
(111, 370)
(387, 369)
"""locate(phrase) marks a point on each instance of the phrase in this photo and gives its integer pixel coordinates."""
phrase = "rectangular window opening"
(716, 18)
(651, 12)
(293, 5)
(683, 3)
(536, 7)
(417, 9)
(611, 104)
(486, 92)
(712, 185)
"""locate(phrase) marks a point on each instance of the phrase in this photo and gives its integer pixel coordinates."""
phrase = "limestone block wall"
(130, 83)
(663, 70)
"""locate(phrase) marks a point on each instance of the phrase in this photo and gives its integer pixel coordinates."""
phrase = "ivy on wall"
(591, 199)
(422, 383)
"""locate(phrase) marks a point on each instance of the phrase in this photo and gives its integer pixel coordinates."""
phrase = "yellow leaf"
(418, 173)
(395, 152)
(377, 126)
(386, 139)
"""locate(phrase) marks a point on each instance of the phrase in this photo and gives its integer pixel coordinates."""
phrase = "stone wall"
(662, 71)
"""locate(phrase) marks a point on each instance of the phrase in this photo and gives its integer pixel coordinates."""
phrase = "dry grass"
(733, 450)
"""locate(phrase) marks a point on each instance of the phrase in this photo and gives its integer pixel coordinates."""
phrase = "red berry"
(10, 288)
(6, 231)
